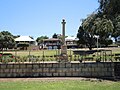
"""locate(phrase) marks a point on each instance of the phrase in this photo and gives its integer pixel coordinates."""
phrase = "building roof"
(24, 38)
(52, 39)
(70, 38)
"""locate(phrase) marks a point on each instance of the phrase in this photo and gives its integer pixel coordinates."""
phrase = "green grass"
(59, 85)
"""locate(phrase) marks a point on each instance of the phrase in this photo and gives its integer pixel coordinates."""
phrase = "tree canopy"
(6, 40)
(103, 23)
(40, 39)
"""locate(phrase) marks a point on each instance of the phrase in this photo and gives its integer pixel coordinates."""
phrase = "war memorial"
(103, 67)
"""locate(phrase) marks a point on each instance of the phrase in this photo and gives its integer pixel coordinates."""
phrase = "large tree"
(94, 25)
(111, 9)
(85, 38)
(6, 40)
(105, 22)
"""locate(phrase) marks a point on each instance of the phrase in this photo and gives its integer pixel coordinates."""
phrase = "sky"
(43, 17)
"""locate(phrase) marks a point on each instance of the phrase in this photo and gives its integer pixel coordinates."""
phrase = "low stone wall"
(91, 69)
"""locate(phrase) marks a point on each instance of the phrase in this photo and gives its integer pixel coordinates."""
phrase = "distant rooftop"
(24, 38)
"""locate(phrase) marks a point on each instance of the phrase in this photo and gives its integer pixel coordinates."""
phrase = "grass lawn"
(51, 52)
(59, 85)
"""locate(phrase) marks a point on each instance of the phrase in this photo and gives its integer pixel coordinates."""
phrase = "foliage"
(40, 39)
(105, 22)
(55, 35)
(94, 25)
(85, 38)
(6, 40)
(110, 8)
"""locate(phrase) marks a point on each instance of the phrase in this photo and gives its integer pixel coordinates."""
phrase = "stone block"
(60, 70)
(30, 66)
(62, 74)
(62, 65)
(75, 74)
(40, 70)
(55, 65)
(44, 74)
(2, 75)
(55, 74)
(64, 70)
(95, 65)
(71, 70)
(98, 69)
(52, 70)
(13, 70)
(81, 65)
(94, 74)
(1, 71)
(110, 69)
(6, 70)
(100, 74)
(104, 69)
(81, 74)
(22, 74)
(3, 66)
(35, 74)
(85, 69)
(108, 74)
(15, 75)
(87, 74)
(45, 70)
(68, 74)
(22, 66)
(49, 65)
(16, 66)
(68, 65)
(35, 66)
(9, 75)
(48, 74)
(75, 65)
(78, 69)
(10, 66)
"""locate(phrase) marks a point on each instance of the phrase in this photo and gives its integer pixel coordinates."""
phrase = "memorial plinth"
(63, 57)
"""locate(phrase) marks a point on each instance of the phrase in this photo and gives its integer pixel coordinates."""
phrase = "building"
(52, 43)
(55, 43)
(23, 42)
(71, 42)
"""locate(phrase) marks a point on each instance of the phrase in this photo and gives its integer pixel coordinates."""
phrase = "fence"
(53, 55)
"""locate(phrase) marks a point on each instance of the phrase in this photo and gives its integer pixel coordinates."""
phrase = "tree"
(85, 38)
(40, 39)
(55, 35)
(6, 41)
(116, 30)
(94, 25)
(6, 33)
(111, 9)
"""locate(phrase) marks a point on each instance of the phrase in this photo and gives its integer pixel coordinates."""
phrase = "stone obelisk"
(64, 46)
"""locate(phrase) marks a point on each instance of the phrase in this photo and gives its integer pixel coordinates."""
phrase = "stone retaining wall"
(93, 69)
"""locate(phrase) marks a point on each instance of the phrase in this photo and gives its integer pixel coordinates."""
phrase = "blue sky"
(43, 17)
